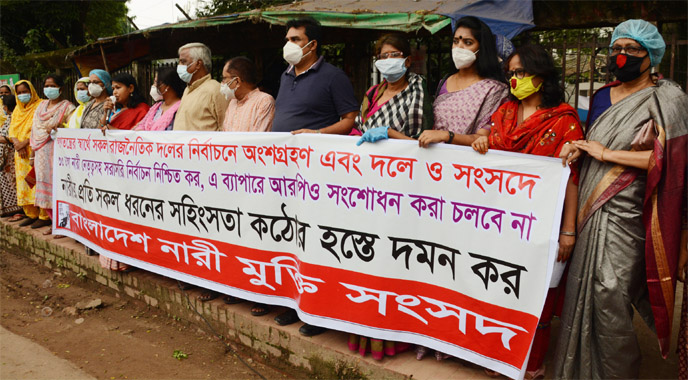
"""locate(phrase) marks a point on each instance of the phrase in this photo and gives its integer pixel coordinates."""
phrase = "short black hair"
(127, 79)
(9, 101)
(312, 26)
(537, 61)
(244, 68)
(398, 40)
(486, 61)
(55, 77)
(169, 77)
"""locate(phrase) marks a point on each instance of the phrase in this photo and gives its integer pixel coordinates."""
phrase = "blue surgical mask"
(51, 93)
(24, 98)
(183, 74)
(83, 96)
(392, 69)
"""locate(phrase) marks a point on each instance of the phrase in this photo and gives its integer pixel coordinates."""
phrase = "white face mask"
(155, 94)
(229, 93)
(95, 90)
(392, 69)
(293, 53)
(463, 57)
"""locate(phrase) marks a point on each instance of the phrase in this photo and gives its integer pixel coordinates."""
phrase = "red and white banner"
(441, 247)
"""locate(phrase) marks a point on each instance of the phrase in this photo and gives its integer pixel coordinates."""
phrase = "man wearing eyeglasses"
(314, 96)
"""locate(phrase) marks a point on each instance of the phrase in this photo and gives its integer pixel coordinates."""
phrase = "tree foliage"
(223, 7)
(39, 26)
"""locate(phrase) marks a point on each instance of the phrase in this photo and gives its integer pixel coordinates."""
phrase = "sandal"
(60, 236)
(16, 218)
(231, 300)
(48, 232)
(491, 373)
(538, 373)
(287, 318)
(41, 223)
(28, 222)
(441, 356)
(260, 309)
(208, 295)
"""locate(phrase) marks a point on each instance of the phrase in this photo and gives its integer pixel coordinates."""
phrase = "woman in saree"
(129, 106)
(99, 87)
(466, 99)
(82, 97)
(8, 186)
(127, 110)
(51, 114)
(5, 91)
(536, 120)
(20, 133)
(632, 201)
(399, 107)
(166, 92)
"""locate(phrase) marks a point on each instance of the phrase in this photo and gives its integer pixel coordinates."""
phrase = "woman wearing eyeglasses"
(536, 120)
(400, 106)
(632, 198)
(466, 99)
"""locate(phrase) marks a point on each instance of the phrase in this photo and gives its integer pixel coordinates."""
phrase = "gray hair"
(198, 51)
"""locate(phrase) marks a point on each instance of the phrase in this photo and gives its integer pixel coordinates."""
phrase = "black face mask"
(626, 67)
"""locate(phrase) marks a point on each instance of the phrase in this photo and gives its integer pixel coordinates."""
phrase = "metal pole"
(181, 10)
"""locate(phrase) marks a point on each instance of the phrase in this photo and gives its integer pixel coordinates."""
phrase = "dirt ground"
(122, 339)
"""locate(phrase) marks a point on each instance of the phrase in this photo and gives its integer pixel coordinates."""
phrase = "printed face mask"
(95, 90)
(155, 94)
(293, 53)
(24, 98)
(83, 96)
(523, 88)
(51, 93)
(463, 57)
(392, 69)
(626, 67)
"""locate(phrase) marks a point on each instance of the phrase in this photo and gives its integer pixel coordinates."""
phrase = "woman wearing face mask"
(20, 133)
(82, 97)
(100, 87)
(50, 115)
(400, 106)
(466, 99)
(129, 106)
(5, 91)
(166, 92)
(8, 186)
(632, 213)
(536, 120)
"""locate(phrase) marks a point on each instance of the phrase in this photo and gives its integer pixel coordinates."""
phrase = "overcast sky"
(155, 12)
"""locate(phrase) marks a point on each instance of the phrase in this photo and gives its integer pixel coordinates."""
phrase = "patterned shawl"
(45, 119)
(409, 111)
(22, 117)
(666, 190)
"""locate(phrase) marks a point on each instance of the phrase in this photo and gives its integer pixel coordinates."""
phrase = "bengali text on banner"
(441, 247)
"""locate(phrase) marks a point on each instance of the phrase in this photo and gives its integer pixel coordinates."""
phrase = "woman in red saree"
(127, 110)
(129, 106)
(537, 121)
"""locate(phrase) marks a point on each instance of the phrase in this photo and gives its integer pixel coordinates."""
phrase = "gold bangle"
(602, 157)
(567, 233)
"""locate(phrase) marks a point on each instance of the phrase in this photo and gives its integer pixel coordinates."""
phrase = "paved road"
(20, 358)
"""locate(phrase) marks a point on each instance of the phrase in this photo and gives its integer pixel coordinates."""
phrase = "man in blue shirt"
(314, 96)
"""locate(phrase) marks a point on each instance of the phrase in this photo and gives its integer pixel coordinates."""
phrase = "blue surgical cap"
(645, 34)
(105, 77)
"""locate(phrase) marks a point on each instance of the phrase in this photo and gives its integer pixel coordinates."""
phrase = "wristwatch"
(451, 137)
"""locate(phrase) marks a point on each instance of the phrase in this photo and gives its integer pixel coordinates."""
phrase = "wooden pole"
(102, 54)
(181, 10)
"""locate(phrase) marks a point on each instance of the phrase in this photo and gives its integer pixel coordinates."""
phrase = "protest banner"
(441, 247)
